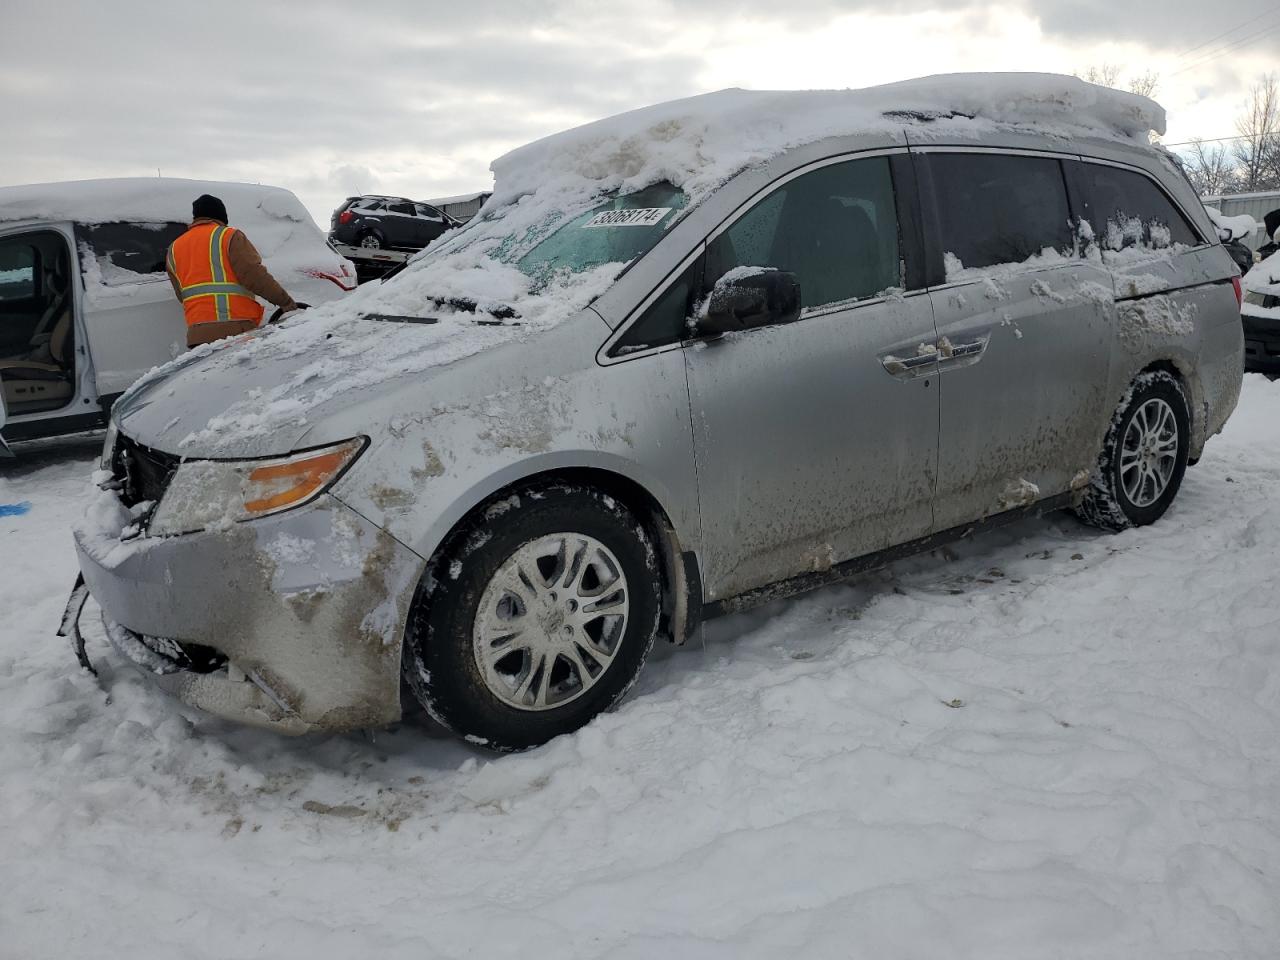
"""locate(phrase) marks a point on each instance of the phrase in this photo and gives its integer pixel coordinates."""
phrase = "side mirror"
(750, 297)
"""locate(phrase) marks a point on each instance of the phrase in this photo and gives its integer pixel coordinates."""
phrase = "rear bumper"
(1261, 338)
(301, 614)
(343, 233)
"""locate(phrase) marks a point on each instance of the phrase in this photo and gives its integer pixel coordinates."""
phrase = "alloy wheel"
(1149, 452)
(550, 621)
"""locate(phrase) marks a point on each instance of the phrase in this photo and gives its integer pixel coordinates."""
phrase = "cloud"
(328, 97)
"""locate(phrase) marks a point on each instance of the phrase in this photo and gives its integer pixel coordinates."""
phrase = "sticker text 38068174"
(640, 217)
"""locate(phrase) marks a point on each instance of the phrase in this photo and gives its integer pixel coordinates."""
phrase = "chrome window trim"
(1010, 151)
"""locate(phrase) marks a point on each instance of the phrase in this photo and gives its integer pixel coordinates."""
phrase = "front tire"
(1144, 456)
(534, 617)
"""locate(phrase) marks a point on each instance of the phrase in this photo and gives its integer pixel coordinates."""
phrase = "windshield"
(616, 231)
(552, 247)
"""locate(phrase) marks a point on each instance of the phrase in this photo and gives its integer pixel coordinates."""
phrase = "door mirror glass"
(750, 297)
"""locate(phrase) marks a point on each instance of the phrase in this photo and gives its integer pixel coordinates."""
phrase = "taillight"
(1239, 289)
(346, 216)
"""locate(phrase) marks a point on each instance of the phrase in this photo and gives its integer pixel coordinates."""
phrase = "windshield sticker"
(642, 217)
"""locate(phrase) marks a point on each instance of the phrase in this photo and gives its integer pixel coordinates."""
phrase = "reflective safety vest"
(210, 290)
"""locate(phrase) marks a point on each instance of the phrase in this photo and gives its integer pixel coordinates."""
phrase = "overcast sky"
(415, 97)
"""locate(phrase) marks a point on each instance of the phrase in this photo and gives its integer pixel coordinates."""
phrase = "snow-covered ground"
(1047, 742)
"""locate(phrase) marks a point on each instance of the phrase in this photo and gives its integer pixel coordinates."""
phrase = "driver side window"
(835, 228)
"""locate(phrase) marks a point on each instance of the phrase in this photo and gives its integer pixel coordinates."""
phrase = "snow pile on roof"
(271, 216)
(700, 142)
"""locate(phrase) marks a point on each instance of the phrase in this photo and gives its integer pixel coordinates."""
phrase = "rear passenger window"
(836, 228)
(1126, 209)
(995, 208)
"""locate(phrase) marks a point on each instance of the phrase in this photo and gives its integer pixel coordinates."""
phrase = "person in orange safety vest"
(217, 273)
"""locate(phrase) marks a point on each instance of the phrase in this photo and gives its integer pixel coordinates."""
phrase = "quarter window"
(835, 228)
(997, 208)
(125, 251)
(664, 322)
(1126, 209)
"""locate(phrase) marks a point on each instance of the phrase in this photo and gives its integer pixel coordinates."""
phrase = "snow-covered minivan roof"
(700, 142)
(148, 200)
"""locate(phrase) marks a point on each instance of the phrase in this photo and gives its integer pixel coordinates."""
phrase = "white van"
(85, 306)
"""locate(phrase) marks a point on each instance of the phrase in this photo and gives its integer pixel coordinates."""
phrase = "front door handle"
(970, 351)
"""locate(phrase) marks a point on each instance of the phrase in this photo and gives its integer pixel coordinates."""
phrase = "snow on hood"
(700, 142)
(1265, 276)
(695, 144)
(273, 218)
(1232, 228)
(259, 394)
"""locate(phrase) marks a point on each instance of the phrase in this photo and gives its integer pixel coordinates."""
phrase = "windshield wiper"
(467, 305)
(498, 321)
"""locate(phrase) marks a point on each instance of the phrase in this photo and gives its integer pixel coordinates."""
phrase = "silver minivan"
(686, 360)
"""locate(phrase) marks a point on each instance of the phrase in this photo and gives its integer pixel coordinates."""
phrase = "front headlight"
(218, 493)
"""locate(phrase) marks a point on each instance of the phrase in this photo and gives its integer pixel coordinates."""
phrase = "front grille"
(143, 473)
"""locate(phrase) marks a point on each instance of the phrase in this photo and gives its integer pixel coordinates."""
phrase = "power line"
(1223, 51)
(1188, 143)
(1228, 48)
(1192, 143)
(1264, 13)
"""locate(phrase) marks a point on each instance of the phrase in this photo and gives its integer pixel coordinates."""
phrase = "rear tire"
(371, 241)
(534, 617)
(1144, 456)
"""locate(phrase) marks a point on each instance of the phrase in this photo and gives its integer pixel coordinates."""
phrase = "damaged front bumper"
(291, 622)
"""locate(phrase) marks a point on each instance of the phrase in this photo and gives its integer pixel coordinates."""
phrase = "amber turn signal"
(281, 485)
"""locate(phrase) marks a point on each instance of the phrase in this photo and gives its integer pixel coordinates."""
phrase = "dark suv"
(387, 223)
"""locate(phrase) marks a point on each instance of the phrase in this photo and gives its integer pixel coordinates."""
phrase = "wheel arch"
(1185, 372)
(677, 559)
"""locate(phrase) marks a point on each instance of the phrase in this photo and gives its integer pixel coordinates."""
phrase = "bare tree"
(1144, 84)
(1256, 149)
(1106, 75)
(1210, 168)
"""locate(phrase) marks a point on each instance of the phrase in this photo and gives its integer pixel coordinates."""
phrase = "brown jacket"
(246, 264)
